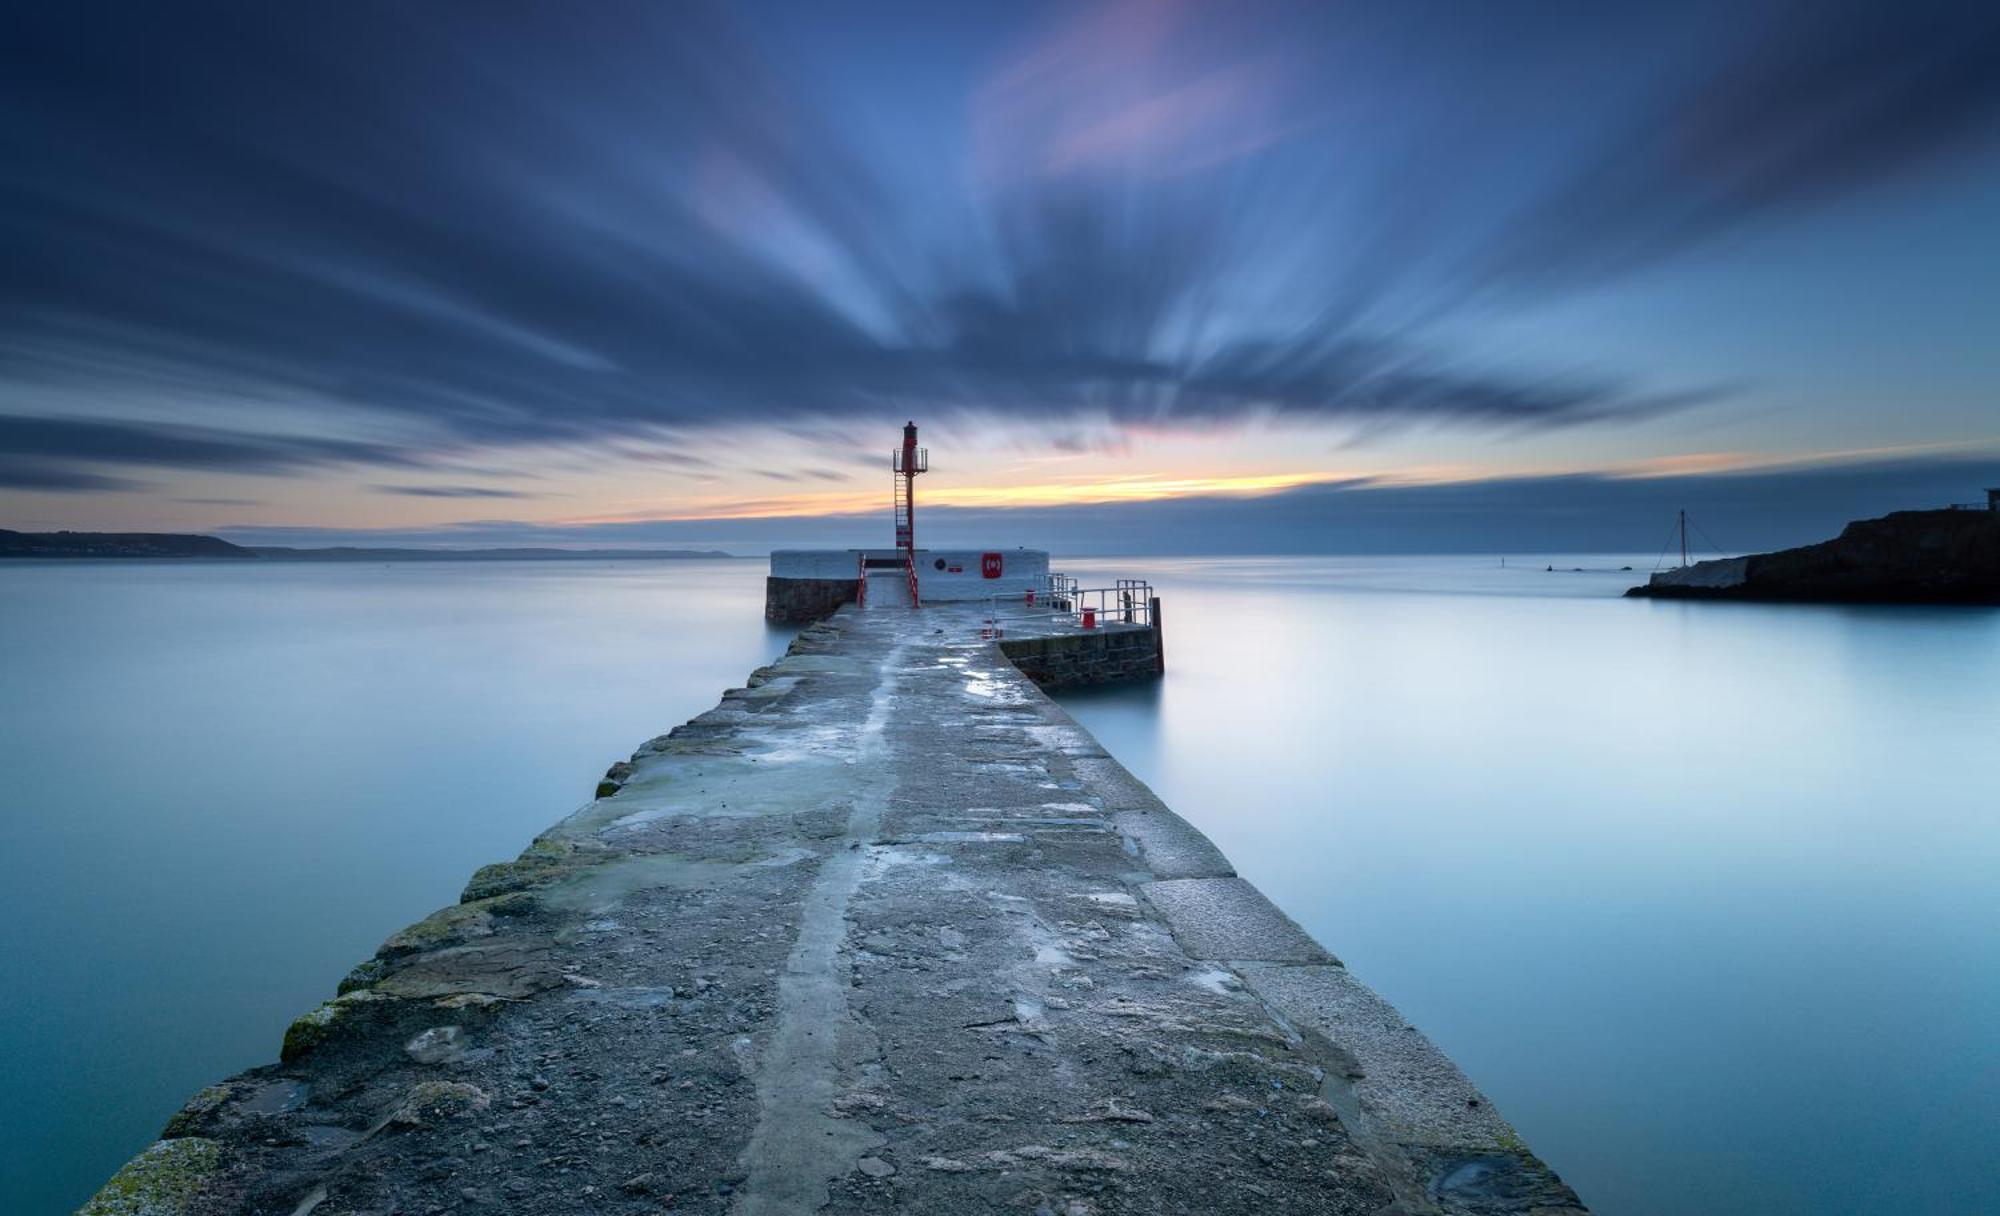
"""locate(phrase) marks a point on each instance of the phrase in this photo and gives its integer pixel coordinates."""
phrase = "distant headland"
(186, 545)
(1949, 556)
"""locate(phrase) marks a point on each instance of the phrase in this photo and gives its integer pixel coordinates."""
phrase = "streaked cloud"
(1592, 512)
(452, 491)
(55, 477)
(61, 448)
(437, 231)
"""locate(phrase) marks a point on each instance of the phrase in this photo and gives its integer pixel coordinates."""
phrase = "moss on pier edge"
(542, 862)
(165, 1180)
(309, 1030)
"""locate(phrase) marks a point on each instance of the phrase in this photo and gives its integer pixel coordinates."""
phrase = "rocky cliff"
(1918, 557)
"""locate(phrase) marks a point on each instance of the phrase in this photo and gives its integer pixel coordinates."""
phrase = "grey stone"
(1172, 848)
(1227, 919)
(438, 1045)
(1408, 1090)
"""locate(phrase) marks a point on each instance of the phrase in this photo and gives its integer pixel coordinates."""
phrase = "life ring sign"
(989, 565)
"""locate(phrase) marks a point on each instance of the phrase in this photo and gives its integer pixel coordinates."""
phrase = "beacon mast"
(906, 462)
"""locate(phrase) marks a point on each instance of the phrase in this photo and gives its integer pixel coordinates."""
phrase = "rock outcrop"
(1916, 557)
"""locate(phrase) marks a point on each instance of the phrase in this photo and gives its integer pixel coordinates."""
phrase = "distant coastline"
(185, 545)
(1949, 556)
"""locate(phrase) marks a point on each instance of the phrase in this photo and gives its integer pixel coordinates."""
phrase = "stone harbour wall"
(1100, 656)
(800, 601)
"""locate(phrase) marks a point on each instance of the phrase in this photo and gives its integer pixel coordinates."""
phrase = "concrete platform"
(884, 931)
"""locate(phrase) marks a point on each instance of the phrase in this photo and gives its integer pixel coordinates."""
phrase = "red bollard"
(1031, 597)
(1090, 618)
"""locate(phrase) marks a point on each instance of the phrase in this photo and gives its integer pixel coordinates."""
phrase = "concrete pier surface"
(885, 931)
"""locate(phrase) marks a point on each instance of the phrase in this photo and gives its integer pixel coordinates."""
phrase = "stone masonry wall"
(1103, 656)
(800, 601)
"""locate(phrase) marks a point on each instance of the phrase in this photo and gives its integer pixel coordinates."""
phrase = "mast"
(1684, 536)
(906, 467)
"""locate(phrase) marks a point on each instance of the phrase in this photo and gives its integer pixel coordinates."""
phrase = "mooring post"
(1159, 635)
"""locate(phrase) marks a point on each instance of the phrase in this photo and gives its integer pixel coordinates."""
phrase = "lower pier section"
(884, 931)
(1107, 655)
(800, 601)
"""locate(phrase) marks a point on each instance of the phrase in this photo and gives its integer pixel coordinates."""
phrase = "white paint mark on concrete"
(798, 1148)
(1215, 980)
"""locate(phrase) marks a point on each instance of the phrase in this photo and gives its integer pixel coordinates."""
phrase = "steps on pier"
(888, 589)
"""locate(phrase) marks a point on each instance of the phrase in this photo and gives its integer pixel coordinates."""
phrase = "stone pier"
(884, 931)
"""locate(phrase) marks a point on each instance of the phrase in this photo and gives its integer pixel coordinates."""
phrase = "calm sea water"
(1702, 895)
(1706, 897)
(224, 784)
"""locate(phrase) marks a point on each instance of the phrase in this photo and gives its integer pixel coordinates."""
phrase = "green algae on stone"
(197, 1111)
(432, 1100)
(165, 1180)
(445, 927)
(309, 1030)
(614, 779)
(546, 860)
(363, 976)
(455, 924)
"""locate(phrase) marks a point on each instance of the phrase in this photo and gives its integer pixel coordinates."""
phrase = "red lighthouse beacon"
(905, 463)
(908, 461)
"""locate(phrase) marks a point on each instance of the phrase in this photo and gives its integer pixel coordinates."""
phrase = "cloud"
(812, 474)
(58, 452)
(456, 227)
(1593, 512)
(1807, 101)
(453, 492)
(56, 478)
(184, 446)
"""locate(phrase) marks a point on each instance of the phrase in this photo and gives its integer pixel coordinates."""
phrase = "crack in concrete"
(799, 1148)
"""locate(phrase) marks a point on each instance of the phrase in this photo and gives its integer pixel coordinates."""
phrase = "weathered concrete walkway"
(883, 932)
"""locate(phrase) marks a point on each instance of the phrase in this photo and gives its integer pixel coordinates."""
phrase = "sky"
(1151, 275)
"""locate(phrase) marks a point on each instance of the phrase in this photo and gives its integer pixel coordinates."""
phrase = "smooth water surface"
(226, 783)
(1703, 895)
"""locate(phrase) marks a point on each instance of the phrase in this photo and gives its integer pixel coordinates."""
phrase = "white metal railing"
(1129, 601)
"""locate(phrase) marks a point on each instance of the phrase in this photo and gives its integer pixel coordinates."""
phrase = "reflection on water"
(1703, 895)
(226, 783)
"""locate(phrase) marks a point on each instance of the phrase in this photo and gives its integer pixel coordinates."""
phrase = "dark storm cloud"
(58, 453)
(452, 492)
(498, 224)
(35, 475)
